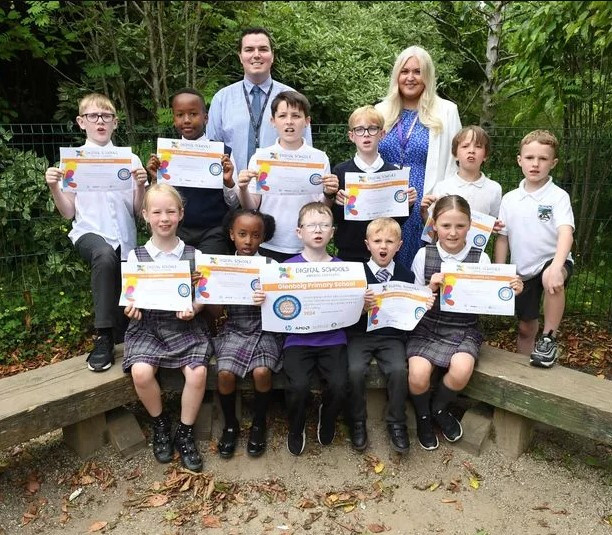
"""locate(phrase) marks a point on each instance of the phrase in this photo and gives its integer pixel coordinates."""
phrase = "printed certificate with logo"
(287, 173)
(156, 285)
(397, 304)
(312, 297)
(227, 280)
(477, 288)
(481, 227)
(195, 164)
(96, 169)
(372, 195)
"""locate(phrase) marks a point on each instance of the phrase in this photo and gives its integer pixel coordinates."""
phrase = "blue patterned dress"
(413, 155)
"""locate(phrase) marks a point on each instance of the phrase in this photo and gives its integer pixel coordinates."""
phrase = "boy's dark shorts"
(527, 303)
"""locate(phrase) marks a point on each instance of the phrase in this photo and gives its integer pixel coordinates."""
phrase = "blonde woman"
(419, 128)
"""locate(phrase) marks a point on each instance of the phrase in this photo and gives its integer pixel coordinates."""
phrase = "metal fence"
(584, 171)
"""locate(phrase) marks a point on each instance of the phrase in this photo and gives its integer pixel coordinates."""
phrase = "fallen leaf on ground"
(379, 467)
(137, 472)
(448, 500)
(306, 503)
(157, 500)
(434, 486)
(97, 526)
(377, 528)
(474, 483)
(211, 521)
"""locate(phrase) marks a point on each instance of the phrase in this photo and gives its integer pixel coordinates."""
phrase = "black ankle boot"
(184, 442)
(162, 439)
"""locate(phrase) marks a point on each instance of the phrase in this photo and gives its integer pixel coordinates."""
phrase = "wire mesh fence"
(37, 259)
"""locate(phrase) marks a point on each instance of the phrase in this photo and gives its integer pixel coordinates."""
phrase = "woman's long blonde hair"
(391, 107)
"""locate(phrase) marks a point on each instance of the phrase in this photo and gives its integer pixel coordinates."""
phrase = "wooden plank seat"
(67, 395)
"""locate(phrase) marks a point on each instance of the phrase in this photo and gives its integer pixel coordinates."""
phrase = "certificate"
(372, 195)
(96, 169)
(287, 173)
(481, 227)
(227, 280)
(397, 304)
(156, 285)
(196, 164)
(477, 288)
(312, 297)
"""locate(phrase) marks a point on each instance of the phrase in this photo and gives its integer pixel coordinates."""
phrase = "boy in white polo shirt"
(290, 117)
(104, 229)
(539, 227)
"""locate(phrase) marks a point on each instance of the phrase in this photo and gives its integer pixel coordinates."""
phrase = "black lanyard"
(256, 124)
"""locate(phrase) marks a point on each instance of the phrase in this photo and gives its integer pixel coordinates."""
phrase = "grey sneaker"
(545, 353)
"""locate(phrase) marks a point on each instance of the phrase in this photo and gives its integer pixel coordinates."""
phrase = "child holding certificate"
(470, 147)
(386, 345)
(290, 116)
(204, 207)
(365, 131)
(447, 340)
(325, 351)
(539, 235)
(104, 230)
(241, 347)
(157, 338)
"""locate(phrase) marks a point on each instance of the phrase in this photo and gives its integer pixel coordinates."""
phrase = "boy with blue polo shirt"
(539, 226)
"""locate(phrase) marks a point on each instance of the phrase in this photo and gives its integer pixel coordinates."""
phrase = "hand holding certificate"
(372, 195)
(227, 280)
(156, 285)
(478, 288)
(89, 169)
(287, 173)
(481, 227)
(191, 163)
(312, 297)
(397, 304)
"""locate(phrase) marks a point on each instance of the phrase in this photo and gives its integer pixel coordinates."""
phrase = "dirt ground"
(562, 486)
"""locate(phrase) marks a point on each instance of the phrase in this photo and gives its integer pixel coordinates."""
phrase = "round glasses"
(313, 226)
(93, 117)
(371, 130)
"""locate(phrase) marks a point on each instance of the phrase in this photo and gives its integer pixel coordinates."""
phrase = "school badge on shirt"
(544, 212)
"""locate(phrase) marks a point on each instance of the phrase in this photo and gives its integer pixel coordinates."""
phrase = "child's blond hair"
(370, 114)
(479, 135)
(545, 137)
(316, 207)
(162, 188)
(96, 99)
(384, 223)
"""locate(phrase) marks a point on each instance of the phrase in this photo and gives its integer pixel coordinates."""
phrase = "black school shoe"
(227, 442)
(326, 429)
(184, 443)
(163, 448)
(399, 437)
(425, 433)
(257, 440)
(450, 426)
(359, 436)
(101, 357)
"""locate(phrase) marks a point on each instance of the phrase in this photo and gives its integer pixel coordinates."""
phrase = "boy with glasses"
(365, 131)
(103, 228)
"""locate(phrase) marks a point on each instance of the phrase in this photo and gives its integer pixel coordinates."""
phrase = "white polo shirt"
(157, 254)
(532, 221)
(109, 214)
(285, 208)
(483, 195)
(418, 264)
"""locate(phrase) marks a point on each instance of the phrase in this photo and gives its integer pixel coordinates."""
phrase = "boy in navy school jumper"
(365, 131)
(386, 345)
(204, 207)
(325, 351)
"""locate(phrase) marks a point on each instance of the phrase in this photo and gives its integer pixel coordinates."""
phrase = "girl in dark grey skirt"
(242, 347)
(444, 339)
(158, 338)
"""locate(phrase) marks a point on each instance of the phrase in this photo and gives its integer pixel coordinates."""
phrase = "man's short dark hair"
(189, 91)
(254, 30)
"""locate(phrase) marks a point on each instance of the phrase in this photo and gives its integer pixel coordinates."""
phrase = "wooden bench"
(86, 405)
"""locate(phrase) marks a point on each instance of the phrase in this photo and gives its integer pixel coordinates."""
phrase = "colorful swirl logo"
(447, 290)
(264, 169)
(373, 319)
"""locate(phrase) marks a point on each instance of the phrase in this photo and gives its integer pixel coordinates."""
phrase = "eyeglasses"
(313, 226)
(360, 130)
(93, 117)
